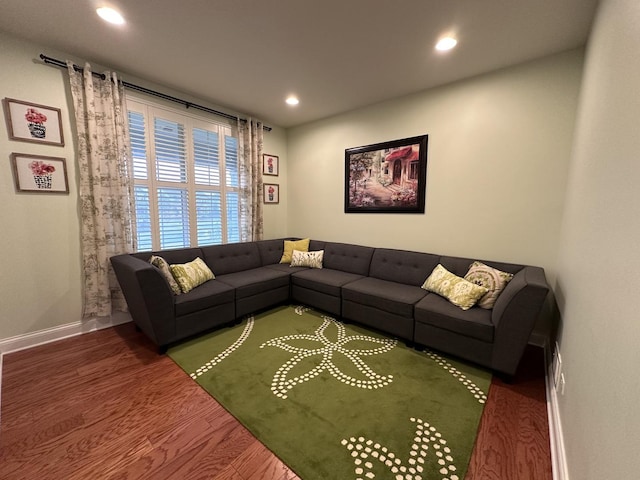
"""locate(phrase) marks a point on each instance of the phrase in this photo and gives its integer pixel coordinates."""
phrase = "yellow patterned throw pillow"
(492, 279)
(307, 259)
(190, 275)
(456, 289)
(162, 264)
(290, 246)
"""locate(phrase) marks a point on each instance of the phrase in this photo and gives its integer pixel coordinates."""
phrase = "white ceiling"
(336, 55)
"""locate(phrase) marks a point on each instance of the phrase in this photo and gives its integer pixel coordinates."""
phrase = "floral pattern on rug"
(475, 390)
(366, 454)
(325, 352)
(228, 351)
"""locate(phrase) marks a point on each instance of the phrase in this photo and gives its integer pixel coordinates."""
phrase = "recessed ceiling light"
(110, 15)
(292, 100)
(446, 43)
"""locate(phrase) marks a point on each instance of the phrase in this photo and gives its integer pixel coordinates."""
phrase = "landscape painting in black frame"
(388, 177)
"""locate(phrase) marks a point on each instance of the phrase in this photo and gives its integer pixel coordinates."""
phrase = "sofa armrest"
(514, 317)
(150, 300)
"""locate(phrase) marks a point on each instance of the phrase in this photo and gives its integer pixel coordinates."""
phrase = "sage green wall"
(499, 147)
(40, 281)
(39, 234)
(599, 258)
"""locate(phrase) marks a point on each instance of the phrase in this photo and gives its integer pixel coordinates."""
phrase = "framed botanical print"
(31, 122)
(39, 174)
(271, 193)
(270, 165)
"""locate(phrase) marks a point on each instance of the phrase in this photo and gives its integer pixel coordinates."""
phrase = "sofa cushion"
(325, 280)
(180, 255)
(460, 265)
(290, 246)
(392, 297)
(307, 259)
(285, 267)
(456, 289)
(207, 295)
(347, 258)
(402, 266)
(316, 245)
(232, 257)
(438, 312)
(255, 281)
(270, 251)
(490, 278)
(191, 274)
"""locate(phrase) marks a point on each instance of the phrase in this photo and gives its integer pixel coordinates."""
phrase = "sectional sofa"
(376, 287)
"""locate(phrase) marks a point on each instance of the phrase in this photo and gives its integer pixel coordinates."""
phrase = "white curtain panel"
(105, 186)
(250, 138)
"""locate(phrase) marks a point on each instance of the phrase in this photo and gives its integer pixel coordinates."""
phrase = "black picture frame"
(388, 177)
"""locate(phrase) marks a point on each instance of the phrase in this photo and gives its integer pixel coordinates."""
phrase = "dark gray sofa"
(385, 299)
(376, 287)
(323, 288)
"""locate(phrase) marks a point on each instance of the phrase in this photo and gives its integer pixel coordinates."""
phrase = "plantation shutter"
(187, 179)
(137, 137)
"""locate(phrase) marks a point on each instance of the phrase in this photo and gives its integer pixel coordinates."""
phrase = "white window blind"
(186, 178)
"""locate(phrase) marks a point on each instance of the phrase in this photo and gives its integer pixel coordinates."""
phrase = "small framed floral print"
(30, 122)
(270, 165)
(271, 193)
(39, 174)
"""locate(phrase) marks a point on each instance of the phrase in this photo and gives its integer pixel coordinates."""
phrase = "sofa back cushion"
(232, 257)
(411, 268)
(347, 258)
(271, 250)
(315, 245)
(179, 255)
(460, 265)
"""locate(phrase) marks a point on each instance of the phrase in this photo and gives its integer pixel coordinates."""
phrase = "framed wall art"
(39, 174)
(30, 122)
(389, 177)
(270, 165)
(271, 193)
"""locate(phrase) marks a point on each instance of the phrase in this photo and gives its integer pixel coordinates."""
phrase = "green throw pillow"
(456, 289)
(162, 264)
(290, 246)
(190, 275)
(492, 279)
(307, 259)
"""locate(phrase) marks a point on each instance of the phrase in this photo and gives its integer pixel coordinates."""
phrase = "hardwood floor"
(106, 405)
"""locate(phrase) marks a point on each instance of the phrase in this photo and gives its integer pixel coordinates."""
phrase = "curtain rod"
(148, 91)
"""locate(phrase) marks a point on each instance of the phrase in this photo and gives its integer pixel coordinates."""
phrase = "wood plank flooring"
(105, 405)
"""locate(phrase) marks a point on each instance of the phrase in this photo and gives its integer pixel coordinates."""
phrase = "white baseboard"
(33, 339)
(556, 438)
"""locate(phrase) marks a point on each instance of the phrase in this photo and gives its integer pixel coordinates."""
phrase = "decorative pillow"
(492, 279)
(307, 259)
(190, 275)
(456, 289)
(290, 246)
(162, 264)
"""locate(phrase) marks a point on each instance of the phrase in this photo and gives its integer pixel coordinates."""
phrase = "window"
(414, 168)
(186, 178)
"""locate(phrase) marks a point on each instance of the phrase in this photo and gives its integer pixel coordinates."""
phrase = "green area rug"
(337, 401)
